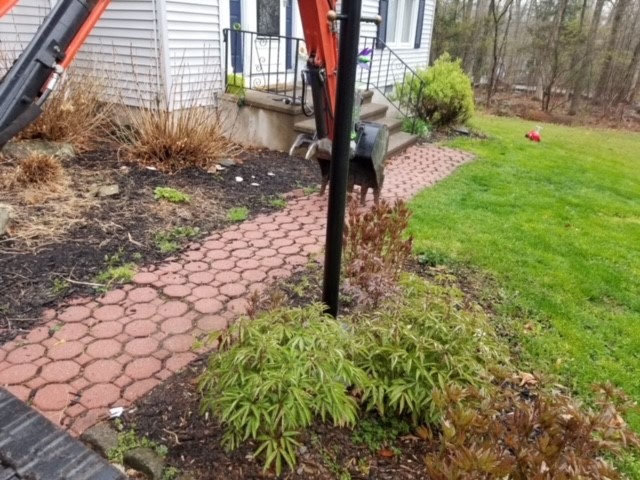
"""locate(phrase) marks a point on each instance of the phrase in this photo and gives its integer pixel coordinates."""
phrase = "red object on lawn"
(534, 136)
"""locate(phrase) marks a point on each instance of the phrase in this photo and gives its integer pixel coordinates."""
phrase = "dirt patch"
(508, 103)
(61, 237)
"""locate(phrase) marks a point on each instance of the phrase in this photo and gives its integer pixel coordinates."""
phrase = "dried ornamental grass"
(38, 169)
(75, 113)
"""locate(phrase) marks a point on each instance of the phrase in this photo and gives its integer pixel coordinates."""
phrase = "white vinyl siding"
(124, 51)
(18, 27)
(386, 69)
(193, 37)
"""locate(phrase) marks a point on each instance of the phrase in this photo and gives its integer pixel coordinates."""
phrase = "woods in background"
(570, 52)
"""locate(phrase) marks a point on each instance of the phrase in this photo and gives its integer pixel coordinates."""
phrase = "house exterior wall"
(124, 52)
(17, 28)
(193, 39)
(144, 49)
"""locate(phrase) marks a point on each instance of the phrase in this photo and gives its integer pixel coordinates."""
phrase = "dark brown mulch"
(124, 226)
(170, 415)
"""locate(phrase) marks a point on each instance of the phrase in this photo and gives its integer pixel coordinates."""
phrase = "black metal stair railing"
(383, 69)
(271, 63)
(266, 63)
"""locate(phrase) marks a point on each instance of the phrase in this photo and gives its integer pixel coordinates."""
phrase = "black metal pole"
(347, 59)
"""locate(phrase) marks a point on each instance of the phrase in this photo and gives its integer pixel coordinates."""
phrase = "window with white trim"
(401, 23)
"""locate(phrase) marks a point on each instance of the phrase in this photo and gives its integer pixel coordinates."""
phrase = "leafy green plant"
(171, 241)
(375, 251)
(170, 473)
(419, 343)
(440, 95)
(310, 190)
(129, 440)
(171, 195)
(118, 271)
(238, 214)
(520, 431)
(115, 276)
(278, 202)
(274, 374)
(60, 286)
(236, 84)
(416, 126)
(378, 433)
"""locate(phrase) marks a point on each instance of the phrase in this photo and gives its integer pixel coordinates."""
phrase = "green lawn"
(557, 224)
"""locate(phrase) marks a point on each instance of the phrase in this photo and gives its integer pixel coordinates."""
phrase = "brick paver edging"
(97, 353)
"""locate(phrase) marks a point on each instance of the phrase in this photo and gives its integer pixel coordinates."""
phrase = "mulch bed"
(124, 226)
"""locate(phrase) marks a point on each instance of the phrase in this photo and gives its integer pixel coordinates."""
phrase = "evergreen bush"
(440, 95)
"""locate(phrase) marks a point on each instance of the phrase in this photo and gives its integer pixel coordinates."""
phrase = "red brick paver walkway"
(93, 354)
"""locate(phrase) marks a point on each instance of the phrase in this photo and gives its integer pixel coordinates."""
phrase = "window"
(401, 22)
(268, 14)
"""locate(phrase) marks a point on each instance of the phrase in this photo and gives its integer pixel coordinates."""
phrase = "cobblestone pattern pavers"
(97, 353)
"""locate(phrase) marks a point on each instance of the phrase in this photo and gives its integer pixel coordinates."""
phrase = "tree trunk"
(602, 89)
(630, 77)
(579, 61)
(497, 18)
(553, 48)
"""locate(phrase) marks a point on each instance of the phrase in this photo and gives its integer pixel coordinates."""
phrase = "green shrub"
(444, 91)
(416, 126)
(418, 344)
(236, 84)
(274, 374)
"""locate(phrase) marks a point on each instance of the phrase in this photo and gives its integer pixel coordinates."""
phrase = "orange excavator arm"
(321, 38)
(34, 75)
(6, 5)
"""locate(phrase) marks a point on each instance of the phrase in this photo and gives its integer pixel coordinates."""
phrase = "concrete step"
(399, 141)
(369, 111)
(393, 123)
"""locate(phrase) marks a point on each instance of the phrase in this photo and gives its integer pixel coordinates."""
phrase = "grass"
(238, 214)
(278, 201)
(557, 224)
(176, 131)
(75, 112)
(172, 240)
(39, 169)
(171, 195)
(115, 275)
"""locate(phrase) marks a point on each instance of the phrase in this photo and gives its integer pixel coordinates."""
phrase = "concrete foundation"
(259, 120)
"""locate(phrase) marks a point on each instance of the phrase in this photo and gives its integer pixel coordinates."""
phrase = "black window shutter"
(419, 26)
(383, 9)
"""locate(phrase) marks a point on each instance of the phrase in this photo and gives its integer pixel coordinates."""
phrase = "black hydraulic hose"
(307, 111)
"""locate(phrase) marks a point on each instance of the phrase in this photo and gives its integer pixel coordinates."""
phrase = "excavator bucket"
(367, 166)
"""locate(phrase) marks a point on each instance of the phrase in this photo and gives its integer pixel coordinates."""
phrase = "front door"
(269, 55)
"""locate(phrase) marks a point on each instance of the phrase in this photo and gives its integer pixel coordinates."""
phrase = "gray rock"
(227, 162)
(102, 438)
(146, 461)
(462, 130)
(108, 190)
(4, 219)
(23, 148)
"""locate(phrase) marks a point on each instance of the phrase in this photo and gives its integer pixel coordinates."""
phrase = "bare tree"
(497, 14)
